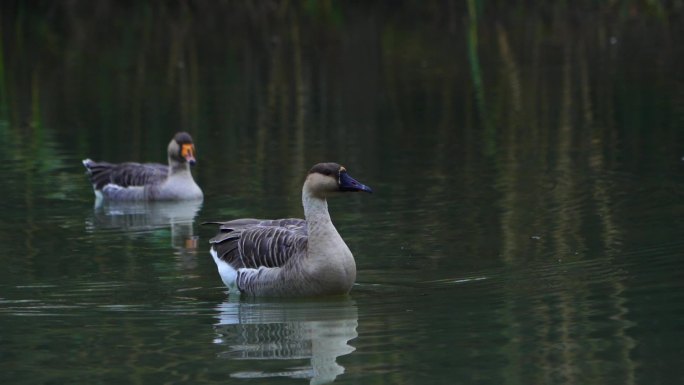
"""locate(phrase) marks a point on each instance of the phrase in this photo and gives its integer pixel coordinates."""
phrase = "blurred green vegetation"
(430, 87)
(161, 61)
(484, 85)
(529, 106)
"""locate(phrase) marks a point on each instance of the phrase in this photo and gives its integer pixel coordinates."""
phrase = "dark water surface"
(527, 225)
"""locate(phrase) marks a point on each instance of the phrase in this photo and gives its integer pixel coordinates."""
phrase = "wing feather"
(125, 174)
(254, 243)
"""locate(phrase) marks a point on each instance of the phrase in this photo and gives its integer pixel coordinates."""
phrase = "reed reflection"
(287, 331)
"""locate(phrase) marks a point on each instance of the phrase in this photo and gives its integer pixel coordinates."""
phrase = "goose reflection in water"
(143, 217)
(288, 330)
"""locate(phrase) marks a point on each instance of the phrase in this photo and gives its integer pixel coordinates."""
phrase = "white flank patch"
(113, 186)
(226, 271)
(118, 193)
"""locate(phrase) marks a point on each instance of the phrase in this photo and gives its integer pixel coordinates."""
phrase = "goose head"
(325, 179)
(181, 149)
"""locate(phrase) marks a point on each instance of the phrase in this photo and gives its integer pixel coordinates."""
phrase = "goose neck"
(315, 208)
(176, 167)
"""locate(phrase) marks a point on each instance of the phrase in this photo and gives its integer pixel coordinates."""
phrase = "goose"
(290, 257)
(148, 181)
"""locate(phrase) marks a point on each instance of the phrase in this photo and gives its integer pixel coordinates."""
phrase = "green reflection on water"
(534, 238)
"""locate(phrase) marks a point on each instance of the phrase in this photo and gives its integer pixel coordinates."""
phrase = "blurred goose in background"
(290, 257)
(148, 181)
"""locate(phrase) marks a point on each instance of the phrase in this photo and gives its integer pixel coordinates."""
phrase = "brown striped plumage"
(253, 243)
(125, 174)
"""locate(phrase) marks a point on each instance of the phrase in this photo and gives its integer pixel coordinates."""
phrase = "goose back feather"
(125, 174)
(253, 243)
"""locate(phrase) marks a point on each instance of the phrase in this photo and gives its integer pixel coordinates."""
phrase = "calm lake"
(526, 225)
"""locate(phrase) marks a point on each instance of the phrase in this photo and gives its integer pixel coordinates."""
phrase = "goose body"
(148, 181)
(290, 257)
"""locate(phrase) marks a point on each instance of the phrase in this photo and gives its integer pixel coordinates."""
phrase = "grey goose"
(148, 181)
(290, 257)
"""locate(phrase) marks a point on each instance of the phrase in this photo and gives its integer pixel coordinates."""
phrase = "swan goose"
(290, 257)
(148, 181)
